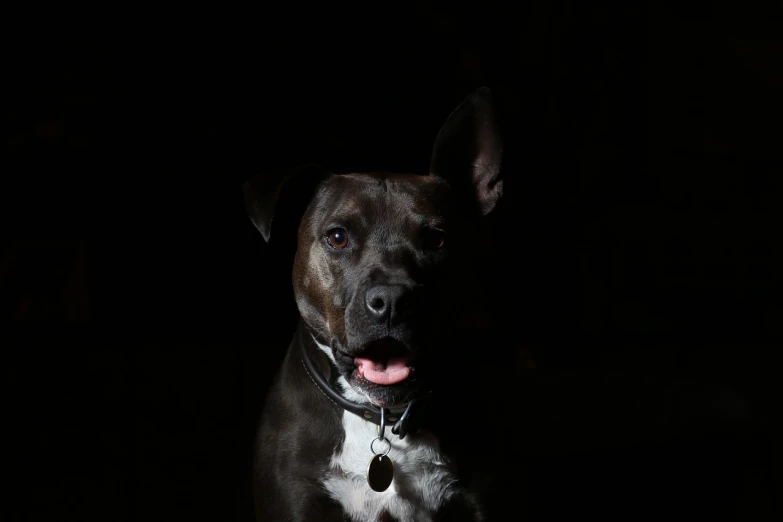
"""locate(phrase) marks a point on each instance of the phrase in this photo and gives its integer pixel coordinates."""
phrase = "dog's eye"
(337, 238)
(434, 239)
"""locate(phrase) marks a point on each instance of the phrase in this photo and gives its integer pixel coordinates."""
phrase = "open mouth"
(385, 362)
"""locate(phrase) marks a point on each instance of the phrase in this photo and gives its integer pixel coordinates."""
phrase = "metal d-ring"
(382, 454)
(382, 426)
(381, 434)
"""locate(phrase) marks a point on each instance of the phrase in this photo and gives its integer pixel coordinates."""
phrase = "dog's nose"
(385, 302)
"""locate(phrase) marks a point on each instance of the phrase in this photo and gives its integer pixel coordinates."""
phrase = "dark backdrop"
(640, 262)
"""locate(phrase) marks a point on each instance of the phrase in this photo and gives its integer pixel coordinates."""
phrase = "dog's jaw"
(348, 391)
(355, 393)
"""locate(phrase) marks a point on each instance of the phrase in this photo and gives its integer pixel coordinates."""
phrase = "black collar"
(403, 424)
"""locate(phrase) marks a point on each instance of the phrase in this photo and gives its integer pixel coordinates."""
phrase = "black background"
(640, 239)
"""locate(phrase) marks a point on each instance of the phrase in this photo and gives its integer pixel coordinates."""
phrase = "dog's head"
(379, 273)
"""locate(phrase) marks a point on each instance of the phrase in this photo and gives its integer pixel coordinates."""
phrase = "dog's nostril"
(377, 303)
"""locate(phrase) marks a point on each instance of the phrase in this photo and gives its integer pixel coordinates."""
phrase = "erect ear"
(468, 151)
(270, 200)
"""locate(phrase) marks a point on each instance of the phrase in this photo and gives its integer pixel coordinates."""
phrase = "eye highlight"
(337, 238)
(434, 239)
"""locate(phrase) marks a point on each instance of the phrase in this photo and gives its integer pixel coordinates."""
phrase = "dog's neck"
(400, 418)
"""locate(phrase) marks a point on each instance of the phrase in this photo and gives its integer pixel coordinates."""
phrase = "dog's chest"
(423, 478)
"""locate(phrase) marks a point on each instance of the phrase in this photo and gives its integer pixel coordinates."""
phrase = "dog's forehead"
(409, 194)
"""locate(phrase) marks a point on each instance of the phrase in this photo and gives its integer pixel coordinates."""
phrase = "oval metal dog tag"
(380, 473)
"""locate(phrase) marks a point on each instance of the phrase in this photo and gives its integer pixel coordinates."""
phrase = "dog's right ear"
(468, 151)
(270, 200)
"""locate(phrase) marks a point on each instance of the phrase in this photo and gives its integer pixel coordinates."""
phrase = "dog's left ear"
(468, 150)
(271, 200)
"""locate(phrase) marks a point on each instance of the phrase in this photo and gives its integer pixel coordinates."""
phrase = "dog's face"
(380, 257)
(373, 264)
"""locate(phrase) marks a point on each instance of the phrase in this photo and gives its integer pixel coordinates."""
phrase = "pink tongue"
(393, 371)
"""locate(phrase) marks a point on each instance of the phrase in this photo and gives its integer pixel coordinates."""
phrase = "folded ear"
(270, 200)
(468, 150)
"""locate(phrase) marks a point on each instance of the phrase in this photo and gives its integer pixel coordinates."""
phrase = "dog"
(357, 423)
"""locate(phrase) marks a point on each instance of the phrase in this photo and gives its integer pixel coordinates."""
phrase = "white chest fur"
(423, 479)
